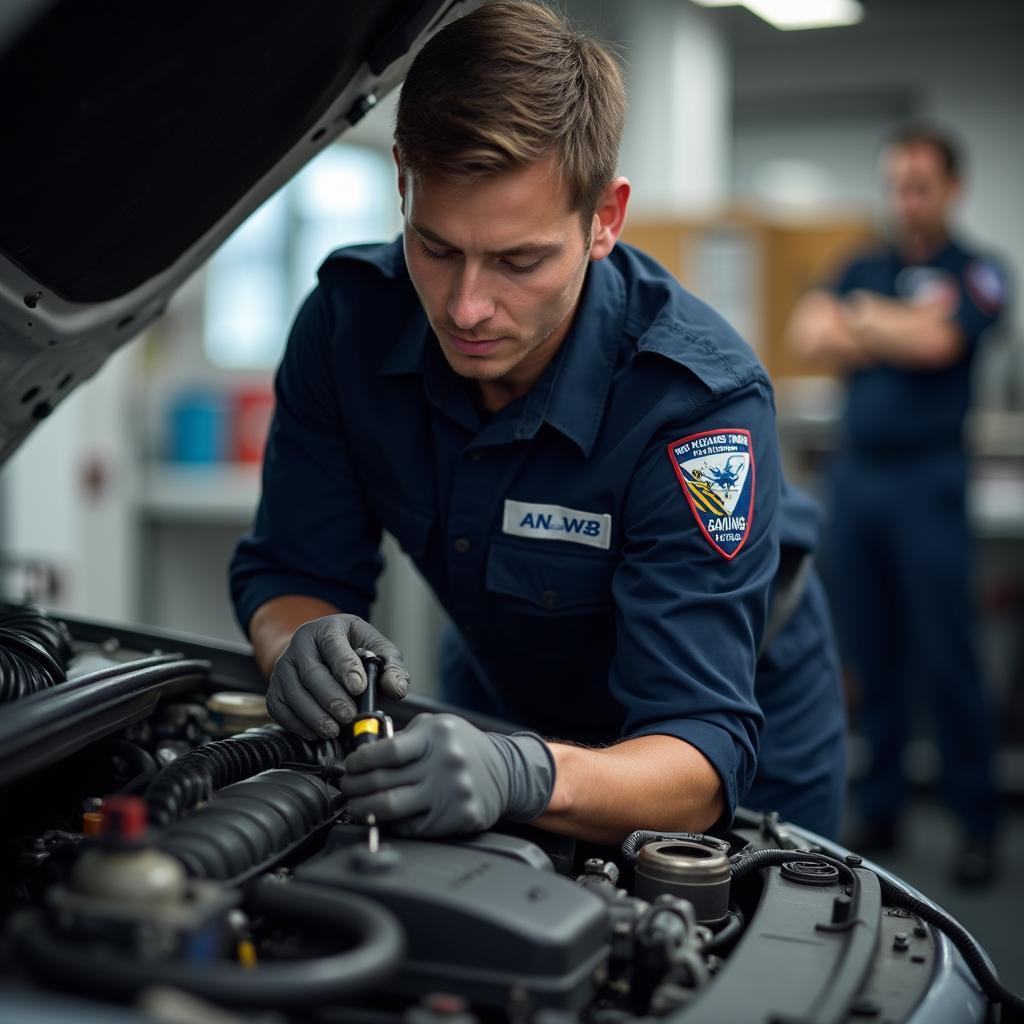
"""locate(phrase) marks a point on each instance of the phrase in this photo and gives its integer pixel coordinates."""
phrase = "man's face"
(498, 265)
(919, 190)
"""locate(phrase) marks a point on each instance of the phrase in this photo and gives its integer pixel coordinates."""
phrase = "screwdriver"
(366, 727)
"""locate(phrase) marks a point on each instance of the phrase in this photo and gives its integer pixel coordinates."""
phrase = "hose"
(195, 776)
(969, 949)
(727, 934)
(896, 896)
(34, 652)
(138, 760)
(280, 985)
(48, 726)
(252, 825)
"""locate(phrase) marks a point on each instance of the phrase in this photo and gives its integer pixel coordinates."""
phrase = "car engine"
(170, 854)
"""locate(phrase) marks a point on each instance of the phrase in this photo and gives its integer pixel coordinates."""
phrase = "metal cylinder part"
(686, 870)
(136, 876)
(233, 712)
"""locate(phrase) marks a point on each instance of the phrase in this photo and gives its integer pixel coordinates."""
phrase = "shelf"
(218, 493)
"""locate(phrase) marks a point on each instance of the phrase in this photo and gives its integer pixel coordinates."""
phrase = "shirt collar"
(573, 390)
(572, 393)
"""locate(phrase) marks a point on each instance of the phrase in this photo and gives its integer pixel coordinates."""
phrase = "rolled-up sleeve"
(690, 611)
(314, 533)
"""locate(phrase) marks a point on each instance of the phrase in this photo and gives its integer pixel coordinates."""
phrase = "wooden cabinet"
(753, 271)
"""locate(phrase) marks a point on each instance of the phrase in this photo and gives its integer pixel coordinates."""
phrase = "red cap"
(444, 1003)
(124, 817)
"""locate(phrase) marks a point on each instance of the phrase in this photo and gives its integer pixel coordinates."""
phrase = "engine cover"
(479, 924)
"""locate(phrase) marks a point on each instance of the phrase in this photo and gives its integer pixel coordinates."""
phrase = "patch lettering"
(715, 469)
(556, 522)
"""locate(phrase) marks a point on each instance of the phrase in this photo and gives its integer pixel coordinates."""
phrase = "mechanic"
(567, 444)
(905, 321)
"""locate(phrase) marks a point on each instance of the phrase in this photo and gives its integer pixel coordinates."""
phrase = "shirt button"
(462, 545)
(549, 598)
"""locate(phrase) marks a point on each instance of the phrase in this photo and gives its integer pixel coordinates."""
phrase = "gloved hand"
(315, 680)
(440, 776)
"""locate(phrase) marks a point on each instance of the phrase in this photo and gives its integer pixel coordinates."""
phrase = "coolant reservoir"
(122, 868)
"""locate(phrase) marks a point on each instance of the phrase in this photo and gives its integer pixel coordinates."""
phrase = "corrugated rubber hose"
(34, 652)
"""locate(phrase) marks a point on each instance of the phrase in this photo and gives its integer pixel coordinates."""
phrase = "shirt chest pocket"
(554, 602)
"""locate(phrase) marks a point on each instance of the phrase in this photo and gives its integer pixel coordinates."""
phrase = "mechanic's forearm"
(818, 330)
(656, 782)
(273, 623)
(899, 333)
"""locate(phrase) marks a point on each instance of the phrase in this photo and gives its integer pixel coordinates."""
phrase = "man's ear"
(401, 175)
(609, 218)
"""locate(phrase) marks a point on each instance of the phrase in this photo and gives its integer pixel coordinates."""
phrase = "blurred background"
(753, 153)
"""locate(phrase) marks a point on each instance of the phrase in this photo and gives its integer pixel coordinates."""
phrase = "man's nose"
(469, 304)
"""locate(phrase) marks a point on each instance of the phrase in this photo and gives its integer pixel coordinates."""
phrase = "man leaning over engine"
(579, 456)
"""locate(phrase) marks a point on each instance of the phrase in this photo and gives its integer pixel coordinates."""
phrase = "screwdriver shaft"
(368, 706)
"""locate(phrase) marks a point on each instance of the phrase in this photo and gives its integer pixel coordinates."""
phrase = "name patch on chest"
(716, 472)
(556, 522)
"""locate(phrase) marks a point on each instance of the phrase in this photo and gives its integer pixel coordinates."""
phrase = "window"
(260, 275)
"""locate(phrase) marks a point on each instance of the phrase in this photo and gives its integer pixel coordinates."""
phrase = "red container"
(252, 409)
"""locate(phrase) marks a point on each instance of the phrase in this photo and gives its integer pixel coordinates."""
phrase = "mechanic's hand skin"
(442, 776)
(315, 680)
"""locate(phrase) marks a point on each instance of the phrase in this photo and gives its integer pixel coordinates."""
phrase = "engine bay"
(166, 841)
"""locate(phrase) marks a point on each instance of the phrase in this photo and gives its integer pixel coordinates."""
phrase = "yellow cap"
(366, 725)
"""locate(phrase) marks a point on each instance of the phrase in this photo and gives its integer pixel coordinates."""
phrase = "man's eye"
(528, 268)
(434, 254)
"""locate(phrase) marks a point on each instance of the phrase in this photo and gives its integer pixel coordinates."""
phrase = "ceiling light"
(798, 14)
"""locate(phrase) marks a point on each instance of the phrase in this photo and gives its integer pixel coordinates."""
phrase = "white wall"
(69, 496)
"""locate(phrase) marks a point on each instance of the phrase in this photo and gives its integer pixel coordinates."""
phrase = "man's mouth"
(473, 346)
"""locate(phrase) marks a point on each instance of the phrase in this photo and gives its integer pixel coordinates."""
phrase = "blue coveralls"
(899, 547)
(605, 545)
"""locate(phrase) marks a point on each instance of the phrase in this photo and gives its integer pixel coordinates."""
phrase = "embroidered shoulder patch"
(716, 472)
(985, 286)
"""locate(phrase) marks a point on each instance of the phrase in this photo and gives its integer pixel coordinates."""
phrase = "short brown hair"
(507, 85)
(940, 141)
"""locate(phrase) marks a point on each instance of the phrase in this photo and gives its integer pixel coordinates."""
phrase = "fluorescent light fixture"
(798, 14)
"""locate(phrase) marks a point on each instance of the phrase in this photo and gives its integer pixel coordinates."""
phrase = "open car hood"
(139, 136)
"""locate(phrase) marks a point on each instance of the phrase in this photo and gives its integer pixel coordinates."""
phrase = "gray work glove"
(441, 776)
(315, 680)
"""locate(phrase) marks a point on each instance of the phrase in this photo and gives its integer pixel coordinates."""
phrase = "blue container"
(199, 426)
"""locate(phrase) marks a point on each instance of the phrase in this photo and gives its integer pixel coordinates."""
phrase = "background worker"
(904, 321)
(579, 456)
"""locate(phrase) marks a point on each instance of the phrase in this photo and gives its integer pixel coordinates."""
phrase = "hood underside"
(139, 136)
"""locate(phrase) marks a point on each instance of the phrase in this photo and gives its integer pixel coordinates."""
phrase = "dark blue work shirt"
(892, 407)
(605, 544)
